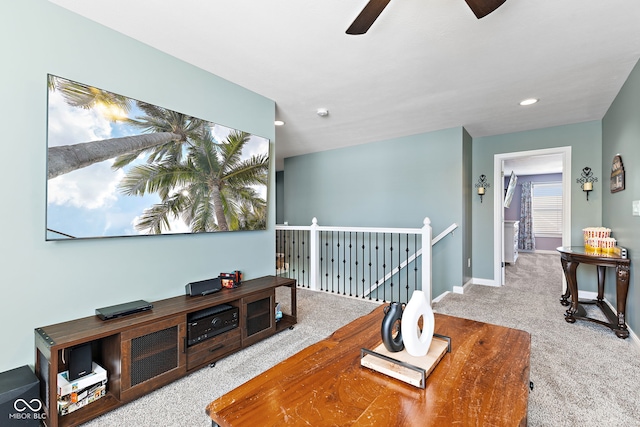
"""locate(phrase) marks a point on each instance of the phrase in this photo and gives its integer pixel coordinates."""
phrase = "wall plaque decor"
(617, 174)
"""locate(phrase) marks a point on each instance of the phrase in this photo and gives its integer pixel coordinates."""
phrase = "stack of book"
(82, 391)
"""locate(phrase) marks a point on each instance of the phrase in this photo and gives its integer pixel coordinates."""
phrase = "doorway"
(564, 153)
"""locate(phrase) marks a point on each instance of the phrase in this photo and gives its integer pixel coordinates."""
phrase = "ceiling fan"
(374, 8)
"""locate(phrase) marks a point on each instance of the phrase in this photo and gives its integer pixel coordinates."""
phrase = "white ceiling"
(424, 65)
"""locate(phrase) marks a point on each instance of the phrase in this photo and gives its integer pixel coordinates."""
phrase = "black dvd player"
(119, 310)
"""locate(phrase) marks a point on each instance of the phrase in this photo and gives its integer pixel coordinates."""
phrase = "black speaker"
(203, 287)
(20, 403)
(80, 361)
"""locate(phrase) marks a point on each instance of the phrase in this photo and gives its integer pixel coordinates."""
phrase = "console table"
(484, 380)
(573, 256)
(144, 351)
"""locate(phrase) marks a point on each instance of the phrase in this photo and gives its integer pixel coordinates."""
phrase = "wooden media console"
(144, 351)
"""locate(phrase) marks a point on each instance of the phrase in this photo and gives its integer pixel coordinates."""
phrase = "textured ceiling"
(424, 65)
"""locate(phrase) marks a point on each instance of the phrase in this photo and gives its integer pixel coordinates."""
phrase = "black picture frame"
(617, 174)
(191, 176)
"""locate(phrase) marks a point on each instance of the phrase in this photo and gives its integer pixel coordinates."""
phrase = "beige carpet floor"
(583, 374)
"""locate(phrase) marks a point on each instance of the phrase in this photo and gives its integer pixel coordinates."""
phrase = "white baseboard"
(589, 295)
(461, 289)
(632, 335)
(546, 251)
(634, 338)
(594, 295)
(439, 297)
(484, 282)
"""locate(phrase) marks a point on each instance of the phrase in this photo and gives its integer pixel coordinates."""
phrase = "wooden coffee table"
(483, 381)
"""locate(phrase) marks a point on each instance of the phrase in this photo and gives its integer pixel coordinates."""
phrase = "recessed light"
(278, 123)
(528, 101)
(322, 112)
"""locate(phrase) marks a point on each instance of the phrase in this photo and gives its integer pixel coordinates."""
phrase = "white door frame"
(498, 197)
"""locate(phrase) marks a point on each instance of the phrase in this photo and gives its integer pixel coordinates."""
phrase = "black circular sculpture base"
(391, 335)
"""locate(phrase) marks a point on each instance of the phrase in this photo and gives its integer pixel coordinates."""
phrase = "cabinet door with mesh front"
(258, 313)
(152, 355)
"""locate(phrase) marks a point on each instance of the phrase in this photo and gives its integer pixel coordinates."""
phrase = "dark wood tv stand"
(144, 351)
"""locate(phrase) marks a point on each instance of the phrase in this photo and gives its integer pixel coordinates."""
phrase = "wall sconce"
(482, 185)
(586, 180)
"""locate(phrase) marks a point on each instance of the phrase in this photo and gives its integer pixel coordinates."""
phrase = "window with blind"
(546, 207)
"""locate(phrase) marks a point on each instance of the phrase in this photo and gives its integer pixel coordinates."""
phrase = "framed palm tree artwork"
(122, 167)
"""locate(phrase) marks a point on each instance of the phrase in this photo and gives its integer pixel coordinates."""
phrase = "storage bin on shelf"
(599, 240)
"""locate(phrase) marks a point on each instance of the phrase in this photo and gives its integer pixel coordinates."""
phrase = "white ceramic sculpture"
(416, 342)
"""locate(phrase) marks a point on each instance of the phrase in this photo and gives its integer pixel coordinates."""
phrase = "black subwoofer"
(20, 403)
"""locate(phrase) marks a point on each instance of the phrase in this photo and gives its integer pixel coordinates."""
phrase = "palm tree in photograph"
(157, 120)
(87, 97)
(252, 215)
(210, 188)
(165, 138)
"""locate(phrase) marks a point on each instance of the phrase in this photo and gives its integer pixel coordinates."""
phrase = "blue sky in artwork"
(86, 202)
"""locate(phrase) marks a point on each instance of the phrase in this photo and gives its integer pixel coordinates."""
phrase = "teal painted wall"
(280, 197)
(393, 183)
(49, 282)
(621, 135)
(585, 140)
(468, 190)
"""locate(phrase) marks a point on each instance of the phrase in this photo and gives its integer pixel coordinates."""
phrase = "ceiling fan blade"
(482, 8)
(367, 17)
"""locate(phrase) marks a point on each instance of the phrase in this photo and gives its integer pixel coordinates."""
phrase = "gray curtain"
(526, 239)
